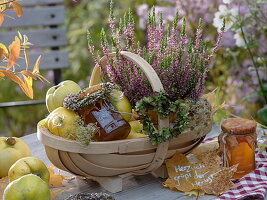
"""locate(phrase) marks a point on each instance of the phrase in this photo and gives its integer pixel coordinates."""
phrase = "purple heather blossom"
(181, 62)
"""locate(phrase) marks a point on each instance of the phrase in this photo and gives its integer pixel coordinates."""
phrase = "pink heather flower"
(180, 62)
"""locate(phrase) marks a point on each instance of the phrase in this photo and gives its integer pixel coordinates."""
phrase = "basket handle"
(156, 85)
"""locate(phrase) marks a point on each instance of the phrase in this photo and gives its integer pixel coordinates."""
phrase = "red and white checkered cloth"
(253, 185)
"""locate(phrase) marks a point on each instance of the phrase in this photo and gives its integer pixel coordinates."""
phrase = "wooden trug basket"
(111, 161)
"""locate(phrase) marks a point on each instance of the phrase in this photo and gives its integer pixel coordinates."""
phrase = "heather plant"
(181, 62)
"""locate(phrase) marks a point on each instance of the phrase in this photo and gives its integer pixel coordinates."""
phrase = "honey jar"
(237, 143)
(111, 123)
(93, 106)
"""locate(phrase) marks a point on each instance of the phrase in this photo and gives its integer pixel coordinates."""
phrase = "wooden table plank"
(145, 187)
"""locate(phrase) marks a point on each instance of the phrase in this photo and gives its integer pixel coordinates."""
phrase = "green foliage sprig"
(162, 104)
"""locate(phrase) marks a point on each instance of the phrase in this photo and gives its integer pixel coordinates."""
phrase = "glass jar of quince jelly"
(111, 124)
(237, 144)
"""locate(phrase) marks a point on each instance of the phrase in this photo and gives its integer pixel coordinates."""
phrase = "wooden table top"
(145, 187)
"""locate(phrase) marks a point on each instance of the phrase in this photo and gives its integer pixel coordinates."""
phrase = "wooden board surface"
(39, 38)
(50, 59)
(49, 15)
(145, 187)
(40, 2)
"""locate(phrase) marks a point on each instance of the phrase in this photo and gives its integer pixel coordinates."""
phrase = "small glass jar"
(111, 124)
(237, 144)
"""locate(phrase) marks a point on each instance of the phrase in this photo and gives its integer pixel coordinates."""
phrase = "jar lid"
(239, 126)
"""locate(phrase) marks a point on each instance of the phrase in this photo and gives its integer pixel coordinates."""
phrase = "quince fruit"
(63, 122)
(28, 165)
(11, 150)
(136, 130)
(121, 103)
(30, 187)
(56, 94)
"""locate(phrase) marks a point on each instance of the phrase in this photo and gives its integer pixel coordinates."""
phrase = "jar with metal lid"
(237, 143)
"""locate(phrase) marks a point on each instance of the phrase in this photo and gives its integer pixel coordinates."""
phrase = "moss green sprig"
(89, 38)
(111, 11)
(200, 23)
(168, 30)
(161, 19)
(183, 27)
(130, 16)
(103, 37)
(176, 19)
(161, 104)
(125, 19)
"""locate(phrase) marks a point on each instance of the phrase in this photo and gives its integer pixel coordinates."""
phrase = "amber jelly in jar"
(237, 145)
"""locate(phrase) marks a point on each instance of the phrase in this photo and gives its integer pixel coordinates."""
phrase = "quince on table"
(136, 130)
(121, 103)
(56, 94)
(30, 187)
(63, 122)
(28, 165)
(11, 150)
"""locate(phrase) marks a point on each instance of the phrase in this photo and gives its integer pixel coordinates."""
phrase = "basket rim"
(115, 146)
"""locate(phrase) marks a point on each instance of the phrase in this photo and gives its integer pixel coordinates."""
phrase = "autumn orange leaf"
(3, 47)
(28, 86)
(26, 90)
(223, 105)
(2, 18)
(23, 78)
(20, 36)
(36, 70)
(211, 98)
(56, 180)
(199, 172)
(37, 64)
(55, 193)
(28, 73)
(1, 53)
(18, 9)
(12, 76)
(14, 50)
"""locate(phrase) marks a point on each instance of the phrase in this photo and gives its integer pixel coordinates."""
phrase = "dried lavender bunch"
(181, 62)
(91, 196)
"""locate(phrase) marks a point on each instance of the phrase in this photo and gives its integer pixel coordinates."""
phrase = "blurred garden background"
(238, 73)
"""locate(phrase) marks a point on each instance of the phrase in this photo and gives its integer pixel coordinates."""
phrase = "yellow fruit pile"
(11, 150)
(67, 124)
(28, 176)
(136, 130)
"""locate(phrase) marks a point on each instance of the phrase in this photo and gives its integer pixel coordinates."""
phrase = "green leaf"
(262, 115)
